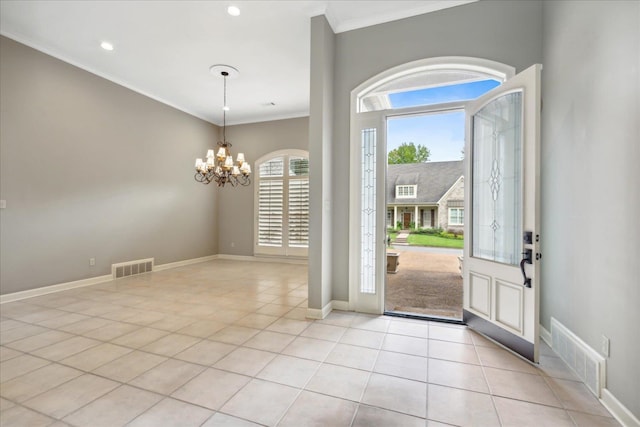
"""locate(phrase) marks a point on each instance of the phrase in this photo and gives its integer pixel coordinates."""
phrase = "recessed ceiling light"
(106, 46)
(233, 11)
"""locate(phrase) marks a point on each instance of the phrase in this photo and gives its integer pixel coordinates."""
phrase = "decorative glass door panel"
(497, 180)
(368, 212)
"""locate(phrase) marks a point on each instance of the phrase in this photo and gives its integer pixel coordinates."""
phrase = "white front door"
(502, 195)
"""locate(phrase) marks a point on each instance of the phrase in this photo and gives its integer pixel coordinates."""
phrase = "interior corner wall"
(236, 220)
(90, 169)
(506, 32)
(590, 179)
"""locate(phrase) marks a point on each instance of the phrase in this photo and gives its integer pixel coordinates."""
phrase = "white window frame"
(406, 191)
(450, 222)
(271, 250)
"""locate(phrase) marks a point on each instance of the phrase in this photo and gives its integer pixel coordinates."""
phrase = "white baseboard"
(283, 260)
(16, 296)
(340, 305)
(318, 314)
(618, 410)
(183, 263)
(546, 336)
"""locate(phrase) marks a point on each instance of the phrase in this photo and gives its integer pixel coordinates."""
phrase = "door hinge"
(538, 256)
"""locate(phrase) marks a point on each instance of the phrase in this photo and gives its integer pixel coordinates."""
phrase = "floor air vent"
(586, 362)
(131, 268)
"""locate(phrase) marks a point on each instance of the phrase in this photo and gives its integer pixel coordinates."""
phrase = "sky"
(441, 133)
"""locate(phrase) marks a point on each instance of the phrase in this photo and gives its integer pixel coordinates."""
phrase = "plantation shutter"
(299, 213)
(271, 202)
(282, 226)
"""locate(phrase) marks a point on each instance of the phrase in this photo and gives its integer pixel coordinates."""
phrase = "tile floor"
(226, 343)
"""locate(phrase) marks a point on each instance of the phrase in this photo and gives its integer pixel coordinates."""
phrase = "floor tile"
(206, 352)
(245, 361)
(66, 348)
(38, 381)
(405, 344)
(324, 332)
(86, 325)
(274, 309)
(397, 394)
(449, 333)
(516, 413)
(576, 396)
(35, 342)
(171, 344)
(167, 376)
(5, 404)
(223, 420)
(314, 409)
(116, 408)
(363, 338)
(460, 407)
(199, 390)
(202, 328)
(370, 323)
(68, 397)
(309, 348)
(499, 358)
(173, 323)
(95, 357)
(452, 351)
(129, 366)
(172, 413)
(270, 341)
(20, 332)
(289, 370)
(587, 420)
(19, 416)
(353, 356)
(289, 326)
(518, 385)
(556, 368)
(256, 321)
(234, 335)
(458, 375)
(402, 365)
(339, 381)
(65, 319)
(140, 337)
(111, 331)
(412, 329)
(261, 402)
(369, 416)
(20, 365)
(7, 353)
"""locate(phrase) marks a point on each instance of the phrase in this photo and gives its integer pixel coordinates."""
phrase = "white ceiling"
(163, 49)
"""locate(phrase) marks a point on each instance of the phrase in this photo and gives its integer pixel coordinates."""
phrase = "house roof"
(433, 179)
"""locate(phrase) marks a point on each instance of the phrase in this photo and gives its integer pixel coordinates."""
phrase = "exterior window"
(456, 216)
(282, 204)
(406, 191)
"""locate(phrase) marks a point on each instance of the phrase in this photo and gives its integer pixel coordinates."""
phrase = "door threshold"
(431, 318)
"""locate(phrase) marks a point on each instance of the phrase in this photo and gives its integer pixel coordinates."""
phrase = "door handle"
(527, 256)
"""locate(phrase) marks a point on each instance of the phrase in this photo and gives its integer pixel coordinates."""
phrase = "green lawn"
(441, 242)
(428, 240)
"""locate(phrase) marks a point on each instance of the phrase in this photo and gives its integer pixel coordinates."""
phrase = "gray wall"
(507, 32)
(590, 180)
(235, 209)
(91, 169)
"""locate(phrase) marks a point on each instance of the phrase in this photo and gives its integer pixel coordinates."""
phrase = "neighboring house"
(426, 195)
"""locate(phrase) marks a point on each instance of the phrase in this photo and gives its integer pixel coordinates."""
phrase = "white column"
(416, 220)
(395, 216)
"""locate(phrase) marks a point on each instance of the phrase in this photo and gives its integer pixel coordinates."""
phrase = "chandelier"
(220, 167)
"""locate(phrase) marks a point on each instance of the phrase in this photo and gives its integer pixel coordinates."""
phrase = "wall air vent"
(131, 268)
(584, 360)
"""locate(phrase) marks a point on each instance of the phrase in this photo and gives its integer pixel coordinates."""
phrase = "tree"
(408, 152)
